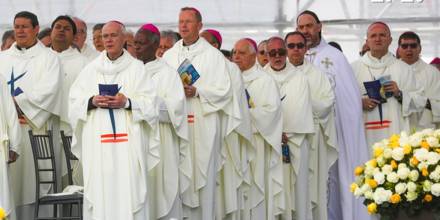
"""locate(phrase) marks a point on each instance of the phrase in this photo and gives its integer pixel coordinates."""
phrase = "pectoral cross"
(13, 80)
(327, 62)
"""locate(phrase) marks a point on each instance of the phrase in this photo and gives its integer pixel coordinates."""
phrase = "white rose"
(392, 177)
(427, 185)
(401, 165)
(422, 165)
(421, 154)
(432, 141)
(400, 188)
(427, 132)
(411, 186)
(357, 192)
(398, 154)
(376, 170)
(415, 139)
(403, 173)
(365, 188)
(435, 176)
(369, 170)
(435, 189)
(410, 196)
(387, 153)
(368, 194)
(381, 195)
(387, 169)
(379, 178)
(414, 175)
(433, 158)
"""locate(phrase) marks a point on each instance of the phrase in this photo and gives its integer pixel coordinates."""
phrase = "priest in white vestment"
(352, 147)
(80, 40)
(323, 152)
(114, 136)
(208, 100)
(173, 172)
(264, 196)
(297, 125)
(10, 148)
(427, 76)
(237, 147)
(34, 79)
(402, 96)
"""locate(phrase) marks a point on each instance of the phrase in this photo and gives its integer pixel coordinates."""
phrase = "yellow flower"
(395, 198)
(438, 151)
(425, 171)
(358, 170)
(427, 198)
(2, 214)
(414, 161)
(378, 151)
(372, 208)
(372, 183)
(407, 149)
(394, 138)
(372, 163)
(424, 144)
(353, 187)
(393, 164)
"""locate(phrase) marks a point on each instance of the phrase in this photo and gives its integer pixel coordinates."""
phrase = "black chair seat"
(63, 199)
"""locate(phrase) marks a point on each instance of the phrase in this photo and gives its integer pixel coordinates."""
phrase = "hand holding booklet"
(188, 72)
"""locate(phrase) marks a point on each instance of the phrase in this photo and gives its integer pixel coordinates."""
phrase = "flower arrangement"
(404, 174)
(2, 214)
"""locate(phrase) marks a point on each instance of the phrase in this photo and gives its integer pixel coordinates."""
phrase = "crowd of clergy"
(273, 130)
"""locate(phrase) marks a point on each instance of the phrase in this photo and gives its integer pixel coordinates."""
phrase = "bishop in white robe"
(10, 138)
(115, 136)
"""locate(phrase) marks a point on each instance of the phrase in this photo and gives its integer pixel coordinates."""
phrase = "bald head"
(378, 39)
(244, 54)
(81, 32)
(113, 38)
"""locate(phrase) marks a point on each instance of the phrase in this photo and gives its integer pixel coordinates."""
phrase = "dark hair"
(66, 18)
(7, 34)
(296, 33)
(335, 45)
(196, 12)
(409, 35)
(226, 53)
(311, 13)
(44, 33)
(98, 26)
(29, 15)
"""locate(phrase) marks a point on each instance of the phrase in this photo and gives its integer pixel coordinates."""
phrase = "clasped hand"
(117, 101)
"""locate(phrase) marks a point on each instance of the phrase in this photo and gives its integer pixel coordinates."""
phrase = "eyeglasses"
(412, 45)
(261, 52)
(298, 45)
(281, 52)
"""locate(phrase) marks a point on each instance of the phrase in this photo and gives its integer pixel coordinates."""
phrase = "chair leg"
(55, 207)
(36, 207)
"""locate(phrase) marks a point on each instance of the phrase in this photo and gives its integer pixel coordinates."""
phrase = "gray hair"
(7, 34)
(170, 34)
(81, 21)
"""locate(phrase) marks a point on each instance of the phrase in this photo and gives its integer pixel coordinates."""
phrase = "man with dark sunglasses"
(427, 76)
(297, 125)
(323, 142)
(348, 117)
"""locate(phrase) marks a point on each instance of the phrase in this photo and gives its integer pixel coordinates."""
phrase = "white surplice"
(10, 138)
(297, 124)
(395, 115)
(428, 77)
(265, 198)
(166, 177)
(36, 71)
(89, 52)
(205, 113)
(352, 146)
(324, 152)
(115, 167)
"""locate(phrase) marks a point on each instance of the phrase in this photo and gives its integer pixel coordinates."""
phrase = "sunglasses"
(412, 45)
(281, 52)
(261, 52)
(298, 45)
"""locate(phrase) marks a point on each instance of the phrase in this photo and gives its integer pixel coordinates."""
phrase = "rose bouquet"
(403, 175)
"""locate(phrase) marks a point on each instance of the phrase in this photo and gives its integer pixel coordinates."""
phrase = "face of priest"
(81, 33)
(145, 49)
(189, 26)
(208, 37)
(277, 53)
(296, 49)
(308, 26)
(97, 40)
(262, 54)
(113, 38)
(378, 39)
(409, 50)
(25, 33)
(244, 55)
(165, 44)
(62, 33)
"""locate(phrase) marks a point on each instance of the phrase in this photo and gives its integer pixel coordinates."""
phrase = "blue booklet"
(375, 91)
(285, 153)
(188, 73)
(110, 90)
